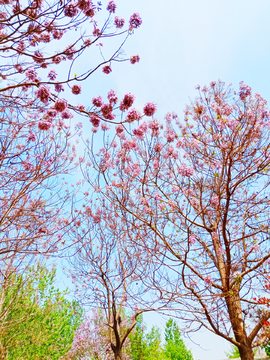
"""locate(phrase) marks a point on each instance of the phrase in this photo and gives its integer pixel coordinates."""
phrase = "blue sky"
(181, 44)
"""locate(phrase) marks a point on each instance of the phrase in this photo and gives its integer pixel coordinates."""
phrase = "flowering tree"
(30, 37)
(35, 134)
(108, 270)
(198, 195)
(35, 131)
(92, 339)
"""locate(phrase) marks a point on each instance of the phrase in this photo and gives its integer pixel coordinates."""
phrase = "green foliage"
(147, 346)
(153, 341)
(138, 344)
(37, 321)
(175, 348)
(233, 352)
(267, 349)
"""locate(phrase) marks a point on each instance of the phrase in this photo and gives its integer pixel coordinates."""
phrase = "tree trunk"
(238, 326)
(118, 356)
(246, 353)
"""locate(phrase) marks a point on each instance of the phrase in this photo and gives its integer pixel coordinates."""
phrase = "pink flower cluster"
(245, 90)
(149, 109)
(134, 59)
(97, 101)
(208, 280)
(119, 22)
(43, 94)
(71, 10)
(127, 102)
(214, 200)
(31, 75)
(133, 115)
(94, 120)
(52, 75)
(135, 21)
(76, 89)
(107, 69)
(60, 105)
(184, 170)
(192, 239)
(111, 7)
(44, 125)
(112, 97)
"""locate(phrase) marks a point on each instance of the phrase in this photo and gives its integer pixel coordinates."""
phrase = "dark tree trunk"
(118, 356)
(246, 353)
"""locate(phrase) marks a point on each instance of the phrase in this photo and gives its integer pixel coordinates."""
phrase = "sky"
(182, 44)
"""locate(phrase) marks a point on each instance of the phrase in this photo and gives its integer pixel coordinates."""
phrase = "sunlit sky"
(182, 44)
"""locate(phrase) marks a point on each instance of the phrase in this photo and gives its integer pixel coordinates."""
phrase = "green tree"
(175, 348)
(154, 348)
(138, 346)
(145, 346)
(37, 321)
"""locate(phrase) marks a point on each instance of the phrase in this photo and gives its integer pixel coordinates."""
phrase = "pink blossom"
(31, 74)
(106, 110)
(135, 21)
(158, 147)
(105, 127)
(134, 59)
(59, 87)
(81, 107)
(57, 35)
(66, 114)
(60, 105)
(76, 89)
(84, 5)
(38, 57)
(144, 201)
(214, 200)
(162, 206)
(245, 90)
(157, 196)
(97, 101)
(96, 32)
(90, 12)
(51, 112)
(44, 125)
(70, 10)
(156, 165)
(133, 115)
(208, 280)
(140, 131)
(69, 52)
(171, 204)
(107, 69)
(175, 189)
(119, 22)
(112, 97)
(31, 136)
(52, 75)
(94, 120)
(119, 129)
(149, 109)
(127, 102)
(57, 59)
(43, 93)
(111, 7)
(192, 239)
(184, 170)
